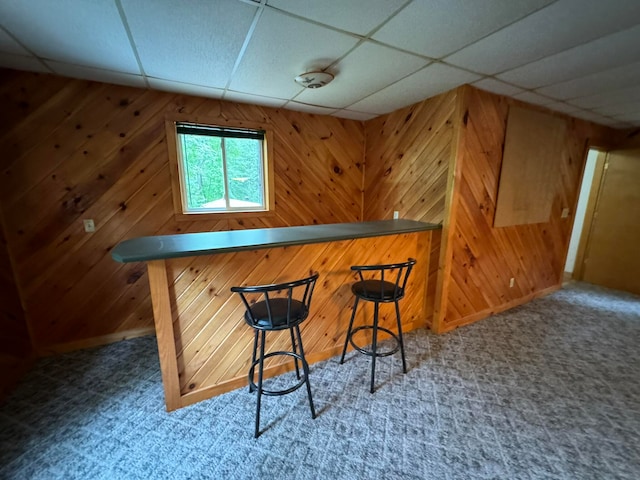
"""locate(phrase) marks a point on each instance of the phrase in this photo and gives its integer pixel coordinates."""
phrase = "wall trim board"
(95, 341)
(449, 326)
(456, 161)
(592, 201)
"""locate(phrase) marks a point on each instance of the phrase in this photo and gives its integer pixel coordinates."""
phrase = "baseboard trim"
(448, 326)
(94, 341)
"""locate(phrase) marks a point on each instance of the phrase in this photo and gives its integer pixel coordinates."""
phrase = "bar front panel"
(212, 342)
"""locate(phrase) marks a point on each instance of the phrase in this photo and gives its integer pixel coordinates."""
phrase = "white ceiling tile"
(354, 115)
(613, 79)
(355, 78)
(352, 16)
(436, 28)
(9, 45)
(615, 123)
(496, 86)
(557, 27)
(185, 88)
(76, 32)
(202, 54)
(96, 74)
(303, 107)
(254, 99)
(426, 83)
(611, 97)
(591, 116)
(563, 107)
(633, 118)
(283, 47)
(583, 54)
(19, 62)
(628, 108)
(582, 60)
(534, 98)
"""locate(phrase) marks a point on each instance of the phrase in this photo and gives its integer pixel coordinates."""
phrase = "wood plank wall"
(74, 149)
(407, 156)
(479, 260)
(15, 345)
(213, 345)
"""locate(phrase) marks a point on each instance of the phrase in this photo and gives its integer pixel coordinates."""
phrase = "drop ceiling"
(580, 57)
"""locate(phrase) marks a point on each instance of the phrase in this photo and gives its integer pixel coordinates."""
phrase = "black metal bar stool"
(272, 308)
(379, 290)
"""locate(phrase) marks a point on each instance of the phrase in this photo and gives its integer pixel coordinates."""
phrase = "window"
(221, 169)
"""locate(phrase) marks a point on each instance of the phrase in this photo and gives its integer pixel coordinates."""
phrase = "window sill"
(203, 217)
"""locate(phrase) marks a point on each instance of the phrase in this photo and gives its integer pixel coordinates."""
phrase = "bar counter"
(204, 345)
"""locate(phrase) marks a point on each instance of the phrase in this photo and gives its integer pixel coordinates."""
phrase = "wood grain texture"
(74, 149)
(611, 257)
(481, 259)
(530, 167)
(212, 343)
(598, 173)
(407, 158)
(164, 331)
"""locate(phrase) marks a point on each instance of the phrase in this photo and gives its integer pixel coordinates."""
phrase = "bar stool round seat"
(379, 290)
(275, 307)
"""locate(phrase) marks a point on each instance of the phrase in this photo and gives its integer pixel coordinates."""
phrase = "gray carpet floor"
(550, 389)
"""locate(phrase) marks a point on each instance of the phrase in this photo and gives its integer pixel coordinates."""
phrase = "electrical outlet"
(396, 215)
(512, 282)
(89, 226)
(565, 213)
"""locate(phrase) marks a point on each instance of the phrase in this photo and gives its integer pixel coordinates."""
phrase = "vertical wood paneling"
(74, 149)
(479, 260)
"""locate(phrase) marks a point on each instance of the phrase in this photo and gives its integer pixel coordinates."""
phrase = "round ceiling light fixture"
(313, 79)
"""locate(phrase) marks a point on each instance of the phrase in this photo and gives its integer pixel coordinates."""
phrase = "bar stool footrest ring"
(369, 351)
(277, 393)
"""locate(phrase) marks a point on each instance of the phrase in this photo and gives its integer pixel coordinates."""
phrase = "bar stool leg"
(346, 341)
(260, 372)
(253, 360)
(293, 347)
(374, 345)
(401, 340)
(305, 367)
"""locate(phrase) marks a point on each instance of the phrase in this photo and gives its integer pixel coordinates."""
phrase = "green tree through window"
(221, 169)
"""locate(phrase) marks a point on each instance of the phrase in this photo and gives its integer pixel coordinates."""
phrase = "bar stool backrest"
(388, 283)
(277, 306)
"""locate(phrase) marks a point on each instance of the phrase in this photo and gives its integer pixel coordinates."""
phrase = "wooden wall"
(15, 345)
(75, 149)
(478, 260)
(407, 156)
